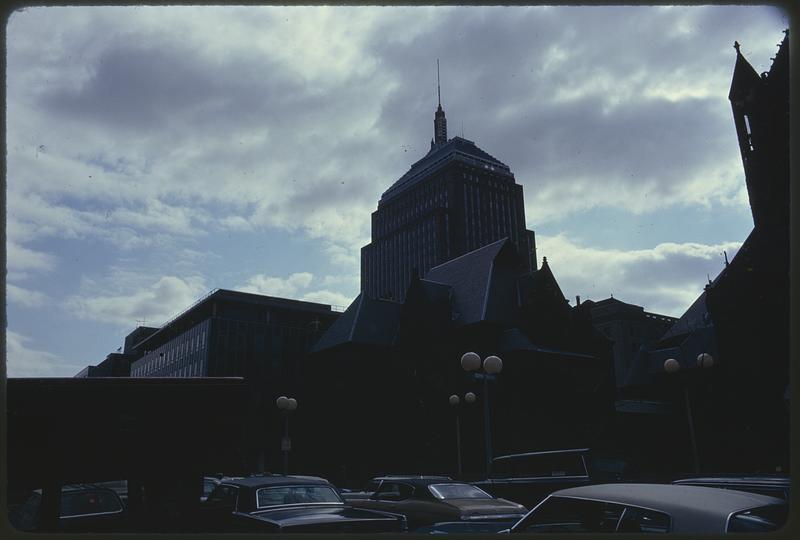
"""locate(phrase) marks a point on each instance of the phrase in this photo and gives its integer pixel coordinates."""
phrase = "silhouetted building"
(630, 327)
(115, 365)
(160, 435)
(454, 200)
(382, 374)
(235, 334)
(738, 406)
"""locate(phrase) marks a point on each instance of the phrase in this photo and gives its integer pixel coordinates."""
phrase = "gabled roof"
(469, 277)
(456, 149)
(366, 321)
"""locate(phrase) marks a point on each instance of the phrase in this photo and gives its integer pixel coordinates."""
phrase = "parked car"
(653, 508)
(209, 483)
(529, 477)
(372, 486)
(284, 504)
(772, 485)
(425, 500)
(84, 508)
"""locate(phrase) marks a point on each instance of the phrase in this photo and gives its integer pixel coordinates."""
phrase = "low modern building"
(227, 333)
(115, 365)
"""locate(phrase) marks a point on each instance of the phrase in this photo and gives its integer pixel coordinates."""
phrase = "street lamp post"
(490, 366)
(704, 360)
(286, 405)
(469, 397)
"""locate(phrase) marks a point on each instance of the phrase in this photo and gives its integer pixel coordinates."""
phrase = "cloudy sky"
(157, 153)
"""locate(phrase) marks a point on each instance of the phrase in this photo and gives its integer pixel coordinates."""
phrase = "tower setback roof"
(456, 149)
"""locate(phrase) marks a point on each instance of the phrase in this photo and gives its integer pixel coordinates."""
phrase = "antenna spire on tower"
(439, 121)
(438, 85)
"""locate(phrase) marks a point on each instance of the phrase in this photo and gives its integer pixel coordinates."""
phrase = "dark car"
(427, 500)
(372, 486)
(653, 508)
(529, 477)
(209, 483)
(84, 508)
(772, 485)
(286, 504)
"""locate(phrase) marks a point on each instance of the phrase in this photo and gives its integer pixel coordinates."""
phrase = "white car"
(653, 508)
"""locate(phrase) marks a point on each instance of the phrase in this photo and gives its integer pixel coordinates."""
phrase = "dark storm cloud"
(682, 266)
(562, 97)
(151, 87)
(641, 140)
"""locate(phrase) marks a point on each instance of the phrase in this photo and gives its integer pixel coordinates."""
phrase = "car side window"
(372, 486)
(639, 520)
(763, 519)
(223, 497)
(564, 514)
(394, 491)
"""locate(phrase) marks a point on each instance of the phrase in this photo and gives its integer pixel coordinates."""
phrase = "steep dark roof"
(456, 149)
(694, 317)
(514, 340)
(366, 321)
(469, 277)
(436, 292)
(745, 79)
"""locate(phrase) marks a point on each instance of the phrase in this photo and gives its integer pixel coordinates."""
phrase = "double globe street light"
(672, 366)
(469, 398)
(486, 370)
(286, 405)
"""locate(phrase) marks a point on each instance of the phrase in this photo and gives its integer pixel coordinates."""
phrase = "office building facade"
(454, 200)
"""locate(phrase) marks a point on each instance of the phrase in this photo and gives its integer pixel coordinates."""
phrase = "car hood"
(313, 514)
(486, 507)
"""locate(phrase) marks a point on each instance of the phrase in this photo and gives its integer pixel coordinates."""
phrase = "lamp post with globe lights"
(286, 405)
(455, 401)
(672, 366)
(491, 366)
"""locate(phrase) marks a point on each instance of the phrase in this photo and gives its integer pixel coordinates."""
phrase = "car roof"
(704, 507)
(274, 480)
(737, 479)
(421, 481)
(579, 451)
(421, 477)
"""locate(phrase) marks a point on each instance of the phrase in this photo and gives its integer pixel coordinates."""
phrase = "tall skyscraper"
(456, 199)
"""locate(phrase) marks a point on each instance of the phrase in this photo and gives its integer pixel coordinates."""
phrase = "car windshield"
(87, 502)
(457, 491)
(278, 495)
(208, 487)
